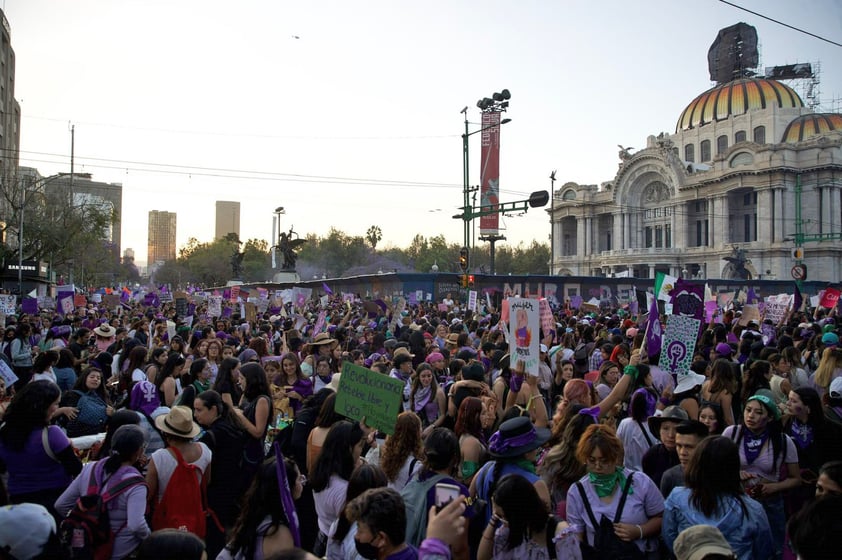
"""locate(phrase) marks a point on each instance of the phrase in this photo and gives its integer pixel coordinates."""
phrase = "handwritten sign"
(523, 333)
(8, 375)
(215, 306)
(678, 343)
(7, 304)
(472, 300)
(369, 394)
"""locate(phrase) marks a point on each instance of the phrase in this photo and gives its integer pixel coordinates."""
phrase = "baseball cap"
(724, 349)
(694, 543)
(836, 388)
(830, 339)
(25, 530)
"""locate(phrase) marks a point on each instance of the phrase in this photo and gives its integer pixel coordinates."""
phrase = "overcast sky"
(347, 113)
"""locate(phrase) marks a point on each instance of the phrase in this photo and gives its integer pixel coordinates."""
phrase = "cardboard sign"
(678, 343)
(369, 394)
(750, 313)
(251, 312)
(524, 340)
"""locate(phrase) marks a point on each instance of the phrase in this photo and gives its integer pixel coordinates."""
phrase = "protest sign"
(80, 300)
(215, 306)
(444, 307)
(67, 304)
(251, 311)
(688, 299)
(181, 306)
(166, 297)
(523, 334)
(546, 314)
(7, 304)
(776, 307)
(750, 313)
(371, 395)
(472, 300)
(710, 310)
(111, 301)
(678, 343)
(235, 293)
(830, 298)
(29, 306)
(8, 375)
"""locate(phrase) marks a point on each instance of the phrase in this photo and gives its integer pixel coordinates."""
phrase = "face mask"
(366, 550)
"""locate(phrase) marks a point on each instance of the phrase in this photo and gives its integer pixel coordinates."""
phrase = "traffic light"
(463, 259)
(470, 280)
(463, 280)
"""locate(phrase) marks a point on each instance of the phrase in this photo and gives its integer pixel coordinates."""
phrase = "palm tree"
(373, 235)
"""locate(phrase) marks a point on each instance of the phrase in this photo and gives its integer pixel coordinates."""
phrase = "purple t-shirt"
(644, 502)
(31, 469)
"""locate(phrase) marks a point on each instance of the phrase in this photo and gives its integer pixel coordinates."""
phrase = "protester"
(663, 455)
(381, 522)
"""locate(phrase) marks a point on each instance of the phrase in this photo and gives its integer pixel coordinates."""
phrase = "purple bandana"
(752, 444)
(499, 446)
(515, 382)
(802, 434)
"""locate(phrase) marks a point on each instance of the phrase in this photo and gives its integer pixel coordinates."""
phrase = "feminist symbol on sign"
(675, 353)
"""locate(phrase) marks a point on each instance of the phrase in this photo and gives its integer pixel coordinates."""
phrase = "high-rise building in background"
(227, 218)
(9, 108)
(80, 189)
(161, 244)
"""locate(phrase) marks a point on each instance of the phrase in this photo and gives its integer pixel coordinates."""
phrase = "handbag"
(606, 544)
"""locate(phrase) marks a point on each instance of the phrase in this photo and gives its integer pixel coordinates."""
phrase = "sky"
(347, 114)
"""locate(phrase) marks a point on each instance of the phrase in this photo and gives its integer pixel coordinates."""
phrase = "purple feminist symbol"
(675, 353)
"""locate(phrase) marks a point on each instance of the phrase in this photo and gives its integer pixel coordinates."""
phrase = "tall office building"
(161, 244)
(9, 108)
(79, 189)
(227, 218)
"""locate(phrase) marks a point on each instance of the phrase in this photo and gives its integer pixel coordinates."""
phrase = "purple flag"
(653, 330)
(286, 495)
(327, 289)
(751, 297)
(798, 299)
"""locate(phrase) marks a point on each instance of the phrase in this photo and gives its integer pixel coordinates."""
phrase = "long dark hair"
(715, 454)
(119, 419)
(125, 443)
(173, 361)
(755, 378)
(336, 457)
(28, 412)
(525, 512)
(256, 384)
(364, 477)
(81, 384)
(225, 374)
(261, 499)
(212, 399)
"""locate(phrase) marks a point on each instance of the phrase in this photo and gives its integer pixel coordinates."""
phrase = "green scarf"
(528, 466)
(201, 387)
(604, 484)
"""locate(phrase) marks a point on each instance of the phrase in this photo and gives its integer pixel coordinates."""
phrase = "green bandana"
(528, 466)
(604, 483)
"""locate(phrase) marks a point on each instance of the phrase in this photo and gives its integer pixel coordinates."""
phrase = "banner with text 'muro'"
(371, 395)
(490, 172)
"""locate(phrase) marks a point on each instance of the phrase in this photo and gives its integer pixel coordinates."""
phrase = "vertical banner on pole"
(490, 172)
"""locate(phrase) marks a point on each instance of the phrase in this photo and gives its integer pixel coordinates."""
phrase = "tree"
(373, 236)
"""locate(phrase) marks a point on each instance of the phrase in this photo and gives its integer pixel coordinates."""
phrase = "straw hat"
(402, 352)
(178, 422)
(105, 330)
(323, 338)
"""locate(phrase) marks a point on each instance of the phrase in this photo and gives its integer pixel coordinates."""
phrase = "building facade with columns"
(747, 168)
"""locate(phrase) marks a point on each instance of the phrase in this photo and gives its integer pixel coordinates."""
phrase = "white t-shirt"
(634, 442)
(165, 464)
(329, 502)
(138, 375)
(763, 466)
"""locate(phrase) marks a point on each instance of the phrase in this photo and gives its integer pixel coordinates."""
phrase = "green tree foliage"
(373, 236)
(337, 252)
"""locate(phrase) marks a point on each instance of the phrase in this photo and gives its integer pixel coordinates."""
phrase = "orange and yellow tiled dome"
(736, 98)
(807, 126)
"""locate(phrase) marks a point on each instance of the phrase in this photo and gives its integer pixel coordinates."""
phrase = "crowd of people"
(222, 438)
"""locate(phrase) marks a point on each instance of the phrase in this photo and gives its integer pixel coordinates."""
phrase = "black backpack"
(86, 530)
(606, 544)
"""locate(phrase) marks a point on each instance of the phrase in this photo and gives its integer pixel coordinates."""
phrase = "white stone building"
(746, 160)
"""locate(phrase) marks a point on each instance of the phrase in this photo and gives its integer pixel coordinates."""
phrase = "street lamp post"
(497, 103)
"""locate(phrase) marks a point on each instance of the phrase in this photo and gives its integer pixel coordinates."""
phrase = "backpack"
(183, 505)
(86, 531)
(414, 496)
(92, 409)
(580, 356)
(606, 544)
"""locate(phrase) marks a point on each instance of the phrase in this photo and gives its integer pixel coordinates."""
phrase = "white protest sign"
(215, 306)
(8, 375)
(7, 304)
(472, 300)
